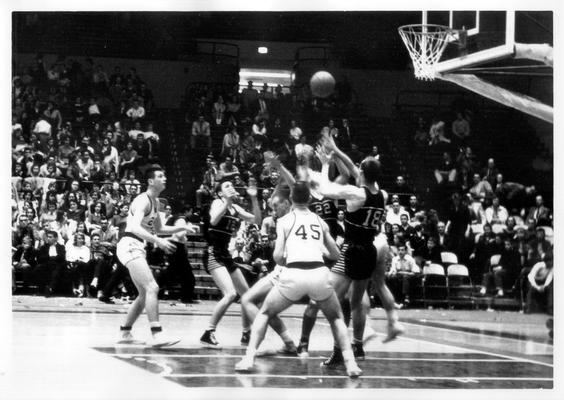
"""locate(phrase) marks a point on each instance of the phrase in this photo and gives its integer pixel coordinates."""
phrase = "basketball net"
(425, 43)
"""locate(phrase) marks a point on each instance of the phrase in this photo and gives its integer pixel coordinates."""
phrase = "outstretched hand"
(252, 191)
(323, 155)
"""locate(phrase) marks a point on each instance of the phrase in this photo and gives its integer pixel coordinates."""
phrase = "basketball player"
(225, 218)
(359, 260)
(302, 242)
(143, 223)
(251, 300)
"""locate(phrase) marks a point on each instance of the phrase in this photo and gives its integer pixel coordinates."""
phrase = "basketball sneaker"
(126, 337)
(158, 339)
(208, 340)
(394, 331)
(335, 360)
(288, 349)
(303, 350)
(353, 370)
(245, 337)
(245, 365)
(358, 351)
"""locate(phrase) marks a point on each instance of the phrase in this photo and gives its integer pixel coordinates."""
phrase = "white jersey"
(304, 238)
(148, 220)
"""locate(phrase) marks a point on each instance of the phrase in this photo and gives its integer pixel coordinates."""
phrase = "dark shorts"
(219, 257)
(357, 261)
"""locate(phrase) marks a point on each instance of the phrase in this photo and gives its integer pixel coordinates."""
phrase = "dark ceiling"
(359, 39)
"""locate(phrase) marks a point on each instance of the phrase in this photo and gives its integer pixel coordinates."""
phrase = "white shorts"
(295, 283)
(129, 249)
(274, 276)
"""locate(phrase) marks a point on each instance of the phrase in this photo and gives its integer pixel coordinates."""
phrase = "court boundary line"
(404, 377)
(153, 355)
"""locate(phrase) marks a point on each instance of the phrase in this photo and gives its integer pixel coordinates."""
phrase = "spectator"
(249, 95)
(232, 111)
(51, 264)
(227, 169)
(540, 213)
(230, 146)
(446, 172)
(259, 127)
(200, 128)
(403, 271)
(540, 294)
(481, 189)
(24, 261)
(421, 132)
(490, 172)
(136, 112)
(85, 165)
(413, 206)
(458, 224)
(431, 253)
(496, 213)
(355, 154)
(53, 116)
(295, 131)
(77, 256)
(402, 189)
(393, 216)
(93, 110)
(437, 132)
(128, 159)
(218, 111)
(461, 128)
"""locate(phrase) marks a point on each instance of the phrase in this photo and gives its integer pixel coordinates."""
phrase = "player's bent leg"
(241, 288)
(274, 303)
(222, 279)
(386, 297)
(249, 304)
(308, 322)
(331, 309)
(148, 289)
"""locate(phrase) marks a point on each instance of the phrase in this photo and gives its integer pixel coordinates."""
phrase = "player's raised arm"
(331, 146)
(334, 190)
(256, 216)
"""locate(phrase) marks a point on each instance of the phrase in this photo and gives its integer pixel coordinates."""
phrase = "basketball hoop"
(425, 43)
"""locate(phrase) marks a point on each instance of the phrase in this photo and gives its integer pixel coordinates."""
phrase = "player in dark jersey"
(359, 261)
(225, 218)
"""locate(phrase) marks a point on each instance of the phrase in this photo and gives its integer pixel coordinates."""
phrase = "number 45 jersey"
(304, 242)
(362, 225)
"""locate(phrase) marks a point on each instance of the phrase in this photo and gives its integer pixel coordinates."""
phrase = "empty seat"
(448, 258)
(459, 285)
(434, 284)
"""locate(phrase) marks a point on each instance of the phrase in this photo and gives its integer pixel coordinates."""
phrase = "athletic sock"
(125, 328)
(392, 316)
(346, 306)
(307, 326)
(211, 328)
(357, 341)
(348, 355)
(286, 338)
(156, 329)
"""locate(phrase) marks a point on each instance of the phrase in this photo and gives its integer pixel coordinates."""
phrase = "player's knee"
(152, 288)
(230, 295)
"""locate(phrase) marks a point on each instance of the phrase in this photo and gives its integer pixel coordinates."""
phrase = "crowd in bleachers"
(76, 165)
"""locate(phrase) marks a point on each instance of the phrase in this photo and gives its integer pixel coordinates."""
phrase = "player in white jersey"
(302, 242)
(143, 225)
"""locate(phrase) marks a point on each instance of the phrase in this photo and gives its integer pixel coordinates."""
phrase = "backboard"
(489, 35)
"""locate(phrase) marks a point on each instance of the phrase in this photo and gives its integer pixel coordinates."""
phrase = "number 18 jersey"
(304, 240)
(362, 225)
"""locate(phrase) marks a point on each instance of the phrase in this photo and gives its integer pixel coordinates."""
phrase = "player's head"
(156, 178)
(225, 189)
(300, 193)
(370, 169)
(280, 204)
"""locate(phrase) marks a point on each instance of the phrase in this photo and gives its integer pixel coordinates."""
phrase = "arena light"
(263, 50)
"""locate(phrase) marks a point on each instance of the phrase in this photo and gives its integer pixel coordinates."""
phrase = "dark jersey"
(362, 225)
(325, 208)
(220, 234)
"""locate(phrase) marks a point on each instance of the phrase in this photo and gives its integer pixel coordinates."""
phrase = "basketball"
(322, 84)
